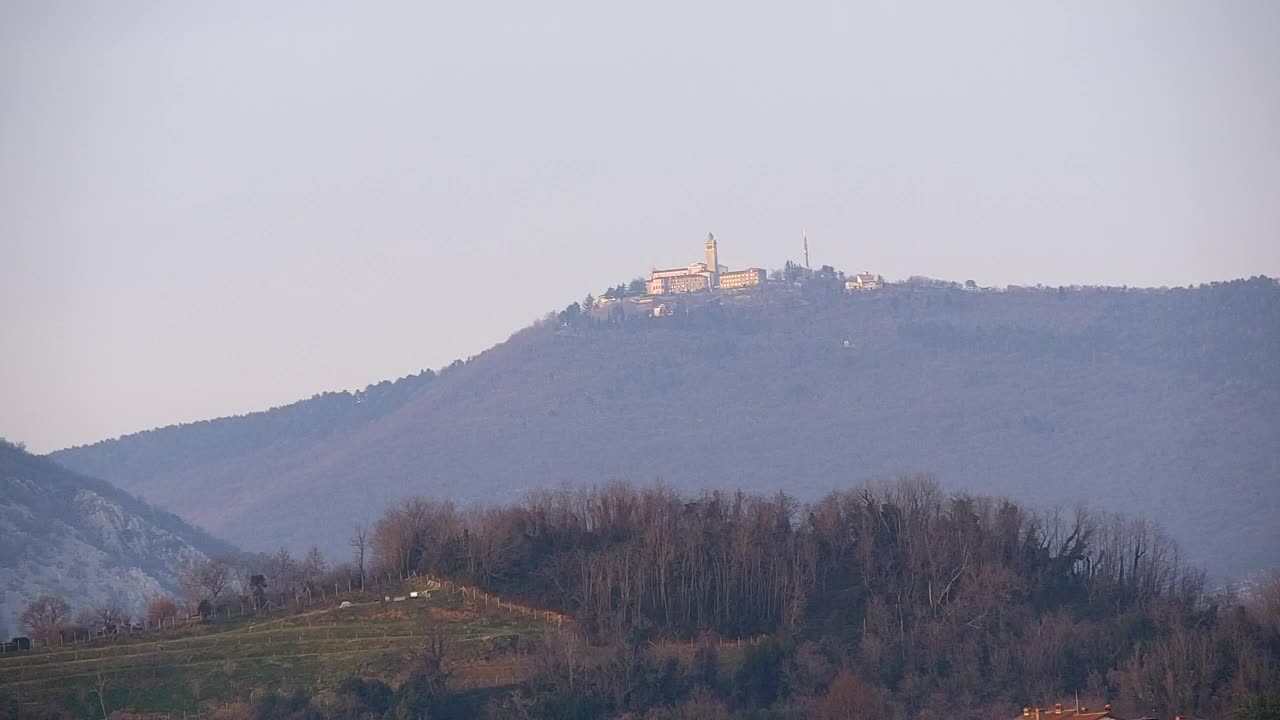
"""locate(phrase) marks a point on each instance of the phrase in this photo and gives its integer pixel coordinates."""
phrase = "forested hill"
(1159, 402)
(80, 538)
(178, 448)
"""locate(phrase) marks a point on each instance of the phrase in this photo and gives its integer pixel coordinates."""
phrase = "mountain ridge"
(1156, 402)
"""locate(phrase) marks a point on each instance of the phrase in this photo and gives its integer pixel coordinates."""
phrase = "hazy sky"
(211, 208)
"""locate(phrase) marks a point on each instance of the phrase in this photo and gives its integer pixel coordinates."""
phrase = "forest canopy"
(923, 598)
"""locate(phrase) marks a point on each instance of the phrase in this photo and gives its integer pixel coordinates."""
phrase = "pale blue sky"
(211, 208)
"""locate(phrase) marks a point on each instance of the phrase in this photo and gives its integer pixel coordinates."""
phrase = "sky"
(213, 208)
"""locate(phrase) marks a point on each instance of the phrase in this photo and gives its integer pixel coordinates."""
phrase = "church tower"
(713, 260)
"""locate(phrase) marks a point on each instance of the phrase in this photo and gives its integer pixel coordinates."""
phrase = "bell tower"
(713, 260)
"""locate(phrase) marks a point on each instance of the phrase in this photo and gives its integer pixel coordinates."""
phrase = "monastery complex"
(706, 275)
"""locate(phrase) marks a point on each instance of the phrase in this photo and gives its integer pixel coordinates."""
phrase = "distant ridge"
(1157, 402)
(176, 447)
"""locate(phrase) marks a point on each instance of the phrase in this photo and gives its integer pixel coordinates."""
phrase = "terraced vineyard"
(195, 669)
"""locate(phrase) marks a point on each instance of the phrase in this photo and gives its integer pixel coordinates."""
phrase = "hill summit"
(1157, 402)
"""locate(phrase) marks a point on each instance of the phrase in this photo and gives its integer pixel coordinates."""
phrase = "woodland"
(885, 600)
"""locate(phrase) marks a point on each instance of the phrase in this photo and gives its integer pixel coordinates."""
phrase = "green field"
(197, 668)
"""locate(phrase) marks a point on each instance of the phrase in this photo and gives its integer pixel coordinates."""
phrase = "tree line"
(883, 600)
(209, 586)
(926, 598)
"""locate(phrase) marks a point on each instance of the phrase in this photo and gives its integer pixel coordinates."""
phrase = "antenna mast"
(806, 250)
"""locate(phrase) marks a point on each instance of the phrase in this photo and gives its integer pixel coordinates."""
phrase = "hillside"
(1159, 402)
(890, 598)
(316, 650)
(277, 431)
(82, 539)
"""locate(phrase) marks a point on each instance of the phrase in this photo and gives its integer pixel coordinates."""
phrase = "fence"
(300, 601)
(479, 596)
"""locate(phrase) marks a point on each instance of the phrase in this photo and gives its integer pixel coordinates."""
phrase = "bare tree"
(397, 536)
(243, 567)
(314, 566)
(282, 570)
(45, 616)
(564, 649)
(360, 547)
(161, 609)
(111, 616)
(435, 641)
(1263, 602)
(85, 619)
(205, 578)
(104, 618)
(100, 689)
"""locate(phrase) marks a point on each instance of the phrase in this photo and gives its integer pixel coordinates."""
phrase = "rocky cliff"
(83, 539)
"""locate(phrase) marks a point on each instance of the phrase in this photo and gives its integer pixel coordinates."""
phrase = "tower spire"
(713, 260)
(805, 233)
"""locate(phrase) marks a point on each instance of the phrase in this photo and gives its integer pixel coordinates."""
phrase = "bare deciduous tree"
(409, 535)
(103, 618)
(100, 689)
(160, 609)
(44, 618)
(360, 547)
(282, 571)
(1263, 601)
(563, 648)
(435, 642)
(204, 578)
(313, 567)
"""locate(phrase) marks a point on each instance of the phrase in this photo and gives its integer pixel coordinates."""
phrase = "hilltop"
(79, 537)
(1159, 402)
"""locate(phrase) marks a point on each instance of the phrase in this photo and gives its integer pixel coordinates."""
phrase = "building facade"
(689, 283)
(863, 281)
(679, 280)
(700, 276)
(751, 277)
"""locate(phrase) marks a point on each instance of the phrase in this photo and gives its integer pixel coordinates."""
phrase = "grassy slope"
(192, 669)
(1165, 404)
